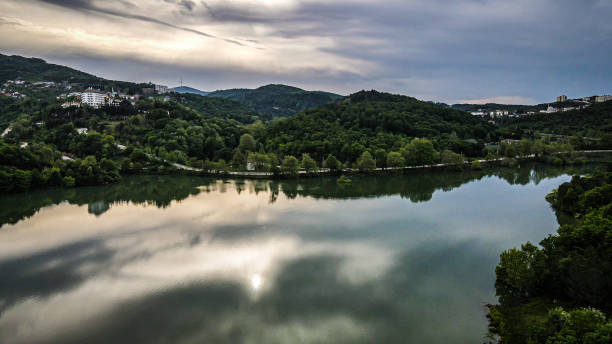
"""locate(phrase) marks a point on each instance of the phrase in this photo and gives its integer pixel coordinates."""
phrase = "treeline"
(561, 292)
(38, 166)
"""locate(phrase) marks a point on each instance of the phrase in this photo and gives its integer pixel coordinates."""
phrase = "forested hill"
(219, 107)
(34, 69)
(370, 120)
(278, 100)
(592, 121)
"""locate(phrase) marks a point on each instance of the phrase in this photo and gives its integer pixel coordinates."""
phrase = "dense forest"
(561, 292)
(277, 100)
(155, 132)
(219, 107)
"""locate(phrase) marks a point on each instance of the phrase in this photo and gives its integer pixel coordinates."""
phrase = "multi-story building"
(161, 89)
(93, 98)
(601, 99)
(561, 98)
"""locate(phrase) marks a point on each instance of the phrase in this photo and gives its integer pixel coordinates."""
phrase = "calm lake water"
(401, 259)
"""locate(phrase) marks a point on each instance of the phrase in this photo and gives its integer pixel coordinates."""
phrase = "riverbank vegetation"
(153, 136)
(560, 292)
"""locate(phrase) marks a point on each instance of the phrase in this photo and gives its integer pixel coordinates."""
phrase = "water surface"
(401, 259)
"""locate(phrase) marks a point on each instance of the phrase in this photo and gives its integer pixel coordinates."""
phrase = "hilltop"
(370, 120)
(277, 100)
(187, 89)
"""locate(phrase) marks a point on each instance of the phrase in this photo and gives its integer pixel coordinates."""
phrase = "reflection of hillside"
(160, 191)
(418, 186)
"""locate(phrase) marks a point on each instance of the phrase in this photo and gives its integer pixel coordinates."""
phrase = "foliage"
(573, 267)
(332, 163)
(290, 165)
(451, 158)
(370, 121)
(218, 107)
(395, 159)
(308, 163)
(366, 162)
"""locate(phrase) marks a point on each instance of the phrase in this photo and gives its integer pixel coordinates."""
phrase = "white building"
(601, 99)
(82, 131)
(93, 98)
(161, 89)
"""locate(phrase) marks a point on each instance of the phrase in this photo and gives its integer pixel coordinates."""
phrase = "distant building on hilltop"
(561, 98)
(601, 99)
(93, 98)
(161, 89)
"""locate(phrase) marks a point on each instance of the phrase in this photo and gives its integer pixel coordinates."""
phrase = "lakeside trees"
(572, 270)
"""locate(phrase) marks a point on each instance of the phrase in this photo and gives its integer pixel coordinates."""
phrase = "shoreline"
(351, 171)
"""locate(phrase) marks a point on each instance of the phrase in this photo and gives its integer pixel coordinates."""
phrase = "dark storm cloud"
(440, 50)
(87, 5)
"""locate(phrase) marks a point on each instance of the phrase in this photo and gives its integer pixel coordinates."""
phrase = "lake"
(158, 259)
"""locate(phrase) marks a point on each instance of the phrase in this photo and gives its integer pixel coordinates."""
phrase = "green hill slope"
(34, 69)
(278, 100)
(373, 120)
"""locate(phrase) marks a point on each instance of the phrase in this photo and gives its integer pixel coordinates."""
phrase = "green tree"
(239, 160)
(395, 159)
(290, 165)
(419, 152)
(381, 158)
(308, 163)
(451, 158)
(366, 162)
(247, 143)
(332, 163)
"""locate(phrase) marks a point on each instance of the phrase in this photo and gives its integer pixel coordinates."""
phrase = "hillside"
(34, 69)
(592, 121)
(372, 120)
(187, 89)
(277, 100)
(219, 107)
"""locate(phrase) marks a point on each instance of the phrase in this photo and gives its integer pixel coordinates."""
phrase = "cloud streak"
(467, 49)
(87, 5)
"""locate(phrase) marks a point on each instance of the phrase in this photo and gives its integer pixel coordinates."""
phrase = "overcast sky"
(519, 51)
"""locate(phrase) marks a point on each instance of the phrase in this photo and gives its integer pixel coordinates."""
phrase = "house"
(561, 98)
(82, 131)
(93, 98)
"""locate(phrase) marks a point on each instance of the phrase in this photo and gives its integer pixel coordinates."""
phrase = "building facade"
(561, 98)
(601, 99)
(161, 89)
(93, 98)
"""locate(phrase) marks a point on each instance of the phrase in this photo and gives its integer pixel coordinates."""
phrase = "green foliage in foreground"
(572, 269)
